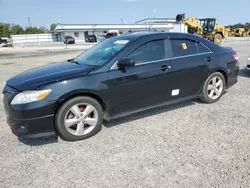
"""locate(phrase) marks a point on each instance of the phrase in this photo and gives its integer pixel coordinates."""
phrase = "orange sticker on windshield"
(184, 46)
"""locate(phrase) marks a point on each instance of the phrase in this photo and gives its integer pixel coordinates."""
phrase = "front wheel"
(79, 118)
(213, 88)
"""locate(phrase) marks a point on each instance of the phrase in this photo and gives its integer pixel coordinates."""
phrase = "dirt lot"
(187, 145)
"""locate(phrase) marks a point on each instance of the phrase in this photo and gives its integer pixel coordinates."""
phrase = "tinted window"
(183, 47)
(202, 48)
(101, 52)
(150, 51)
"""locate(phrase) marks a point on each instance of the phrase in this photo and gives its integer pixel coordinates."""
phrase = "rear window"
(202, 48)
(183, 47)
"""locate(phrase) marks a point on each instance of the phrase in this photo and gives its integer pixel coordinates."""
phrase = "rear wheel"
(79, 118)
(213, 88)
(217, 38)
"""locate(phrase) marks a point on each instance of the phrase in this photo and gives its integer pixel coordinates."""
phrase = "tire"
(75, 131)
(244, 34)
(217, 38)
(207, 96)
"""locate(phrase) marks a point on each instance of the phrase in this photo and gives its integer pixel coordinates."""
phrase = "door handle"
(209, 59)
(165, 67)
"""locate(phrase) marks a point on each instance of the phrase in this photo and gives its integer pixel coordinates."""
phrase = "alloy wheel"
(81, 119)
(215, 87)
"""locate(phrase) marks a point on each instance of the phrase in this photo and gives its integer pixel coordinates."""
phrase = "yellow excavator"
(241, 32)
(206, 27)
(229, 31)
(233, 32)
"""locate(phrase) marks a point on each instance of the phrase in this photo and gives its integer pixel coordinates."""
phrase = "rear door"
(189, 61)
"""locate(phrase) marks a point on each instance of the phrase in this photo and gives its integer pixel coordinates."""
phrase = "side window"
(150, 51)
(202, 48)
(182, 47)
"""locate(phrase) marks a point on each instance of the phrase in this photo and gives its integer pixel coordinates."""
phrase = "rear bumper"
(248, 63)
(232, 81)
(233, 72)
(69, 42)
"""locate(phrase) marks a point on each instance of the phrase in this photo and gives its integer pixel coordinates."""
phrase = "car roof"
(137, 35)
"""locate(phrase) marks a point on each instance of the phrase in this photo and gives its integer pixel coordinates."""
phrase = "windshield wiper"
(73, 61)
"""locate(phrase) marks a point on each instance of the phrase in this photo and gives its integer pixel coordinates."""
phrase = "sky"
(45, 12)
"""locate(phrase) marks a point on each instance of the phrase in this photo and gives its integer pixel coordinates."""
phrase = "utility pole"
(28, 21)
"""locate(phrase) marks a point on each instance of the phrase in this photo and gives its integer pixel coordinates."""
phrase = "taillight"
(236, 57)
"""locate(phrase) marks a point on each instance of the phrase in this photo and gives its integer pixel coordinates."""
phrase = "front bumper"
(29, 120)
(32, 128)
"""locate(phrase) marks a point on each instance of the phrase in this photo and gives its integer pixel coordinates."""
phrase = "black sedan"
(118, 76)
(91, 38)
(4, 41)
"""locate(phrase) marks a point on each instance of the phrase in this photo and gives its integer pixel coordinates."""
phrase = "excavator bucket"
(180, 17)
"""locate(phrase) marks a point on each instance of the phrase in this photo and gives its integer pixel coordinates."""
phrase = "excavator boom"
(206, 27)
(192, 24)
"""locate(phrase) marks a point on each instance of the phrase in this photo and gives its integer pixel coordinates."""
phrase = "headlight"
(30, 96)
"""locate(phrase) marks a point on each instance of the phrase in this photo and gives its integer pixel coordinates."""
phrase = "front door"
(139, 86)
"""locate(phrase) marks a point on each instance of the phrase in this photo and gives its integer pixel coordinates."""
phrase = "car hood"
(33, 78)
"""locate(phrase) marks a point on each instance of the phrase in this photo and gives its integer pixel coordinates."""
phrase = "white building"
(81, 31)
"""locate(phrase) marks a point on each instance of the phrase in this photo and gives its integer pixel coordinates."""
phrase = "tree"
(1, 30)
(239, 25)
(6, 30)
(29, 30)
(17, 30)
(52, 27)
(43, 30)
(34, 30)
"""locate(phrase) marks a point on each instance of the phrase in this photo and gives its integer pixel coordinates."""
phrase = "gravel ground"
(187, 145)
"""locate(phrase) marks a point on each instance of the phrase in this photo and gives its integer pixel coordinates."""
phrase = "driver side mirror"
(125, 63)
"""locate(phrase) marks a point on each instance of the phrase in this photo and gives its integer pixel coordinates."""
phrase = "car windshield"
(101, 52)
